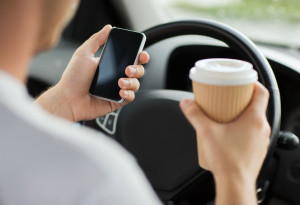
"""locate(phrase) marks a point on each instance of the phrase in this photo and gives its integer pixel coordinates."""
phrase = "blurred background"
(274, 23)
(264, 21)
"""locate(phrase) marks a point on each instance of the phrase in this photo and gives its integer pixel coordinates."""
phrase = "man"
(46, 160)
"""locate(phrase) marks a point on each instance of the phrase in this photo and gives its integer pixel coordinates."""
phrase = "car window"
(266, 21)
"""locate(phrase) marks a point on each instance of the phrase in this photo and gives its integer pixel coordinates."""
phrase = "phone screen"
(121, 49)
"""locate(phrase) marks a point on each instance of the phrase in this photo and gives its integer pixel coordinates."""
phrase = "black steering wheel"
(155, 131)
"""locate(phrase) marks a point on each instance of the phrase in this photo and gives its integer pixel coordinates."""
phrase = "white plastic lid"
(222, 71)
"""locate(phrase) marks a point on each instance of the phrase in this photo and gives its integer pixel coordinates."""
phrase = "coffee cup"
(223, 88)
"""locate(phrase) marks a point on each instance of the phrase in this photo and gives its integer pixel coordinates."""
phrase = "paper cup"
(223, 88)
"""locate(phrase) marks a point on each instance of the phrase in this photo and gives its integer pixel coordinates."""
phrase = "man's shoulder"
(52, 158)
(35, 128)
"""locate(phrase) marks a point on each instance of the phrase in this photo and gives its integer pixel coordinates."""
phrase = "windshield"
(265, 21)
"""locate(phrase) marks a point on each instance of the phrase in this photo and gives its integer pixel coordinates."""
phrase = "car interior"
(164, 143)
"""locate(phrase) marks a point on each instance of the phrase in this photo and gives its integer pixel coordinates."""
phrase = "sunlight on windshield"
(268, 21)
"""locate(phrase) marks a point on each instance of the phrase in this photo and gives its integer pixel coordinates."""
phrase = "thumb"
(194, 114)
(91, 45)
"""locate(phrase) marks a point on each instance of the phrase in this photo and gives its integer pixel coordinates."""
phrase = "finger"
(100, 107)
(135, 71)
(144, 57)
(260, 99)
(127, 95)
(195, 115)
(129, 84)
(91, 45)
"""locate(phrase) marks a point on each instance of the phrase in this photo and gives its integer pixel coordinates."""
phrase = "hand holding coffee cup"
(223, 88)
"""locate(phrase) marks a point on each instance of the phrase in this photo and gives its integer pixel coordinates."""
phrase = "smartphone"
(122, 48)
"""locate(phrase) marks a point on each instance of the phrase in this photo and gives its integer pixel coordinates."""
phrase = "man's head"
(55, 15)
(28, 27)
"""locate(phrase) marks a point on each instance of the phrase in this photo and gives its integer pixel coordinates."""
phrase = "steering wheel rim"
(128, 120)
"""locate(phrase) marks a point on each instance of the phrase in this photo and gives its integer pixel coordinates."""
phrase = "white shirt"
(45, 160)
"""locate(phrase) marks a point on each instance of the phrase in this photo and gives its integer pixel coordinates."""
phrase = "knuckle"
(259, 121)
(265, 92)
(255, 112)
(205, 131)
(131, 96)
(139, 71)
(268, 129)
(189, 111)
(130, 83)
(78, 51)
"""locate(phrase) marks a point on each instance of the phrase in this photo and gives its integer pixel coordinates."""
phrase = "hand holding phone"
(121, 49)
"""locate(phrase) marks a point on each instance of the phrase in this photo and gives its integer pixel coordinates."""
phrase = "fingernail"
(126, 94)
(185, 102)
(125, 83)
(132, 71)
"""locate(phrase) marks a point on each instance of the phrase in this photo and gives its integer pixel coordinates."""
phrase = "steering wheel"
(155, 131)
